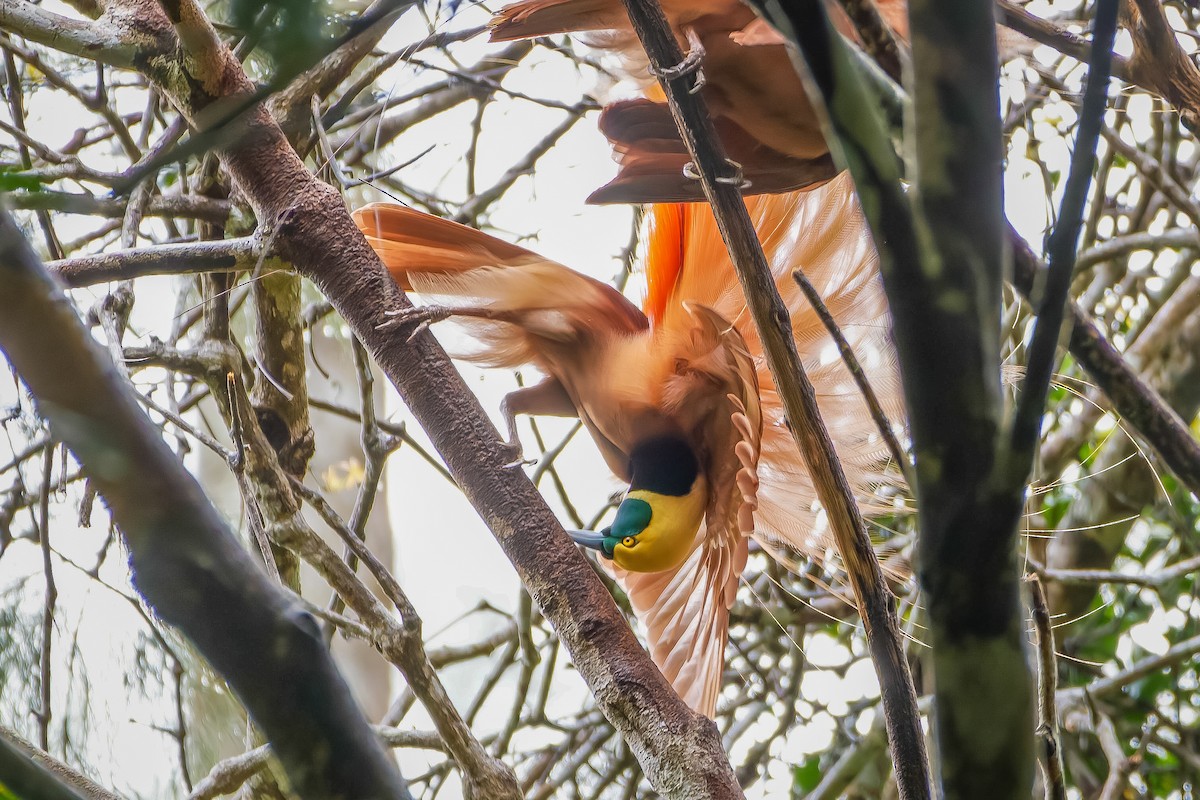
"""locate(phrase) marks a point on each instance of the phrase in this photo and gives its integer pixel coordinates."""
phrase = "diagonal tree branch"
(33, 773)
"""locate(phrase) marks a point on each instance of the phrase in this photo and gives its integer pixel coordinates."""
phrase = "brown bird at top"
(676, 395)
(756, 98)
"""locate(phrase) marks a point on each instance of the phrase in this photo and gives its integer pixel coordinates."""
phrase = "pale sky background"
(444, 557)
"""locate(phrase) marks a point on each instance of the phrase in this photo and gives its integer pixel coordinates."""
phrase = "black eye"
(629, 541)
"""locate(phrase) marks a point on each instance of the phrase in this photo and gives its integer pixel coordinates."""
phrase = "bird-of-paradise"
(676, 395)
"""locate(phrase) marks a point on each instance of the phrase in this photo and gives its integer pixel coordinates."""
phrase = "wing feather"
(533, 302)
(651, 158)
(823, 232)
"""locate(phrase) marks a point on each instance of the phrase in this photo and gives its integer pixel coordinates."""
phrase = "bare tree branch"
(97, 40)
(228, 255)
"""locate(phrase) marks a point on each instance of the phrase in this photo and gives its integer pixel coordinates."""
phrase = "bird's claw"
(420, 317)
(737, 179)
(520, 462)
(517, 453)
(689, 66)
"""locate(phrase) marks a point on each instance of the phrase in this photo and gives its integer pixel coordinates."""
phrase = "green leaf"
(12, 180)
(806, 776)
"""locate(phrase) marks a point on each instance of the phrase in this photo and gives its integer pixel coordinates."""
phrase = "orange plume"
(664, 256)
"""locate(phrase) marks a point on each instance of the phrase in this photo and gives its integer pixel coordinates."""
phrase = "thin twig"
(376, 448)
(43, 713)
(860, 377)
(1151, 580)
(1064, 241)
(1052, 761)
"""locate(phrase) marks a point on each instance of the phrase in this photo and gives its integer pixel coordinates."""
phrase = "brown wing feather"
(651, 158)
(545, 17)
(463, 262)
(405, 238)
(539, 310)
(531, 18)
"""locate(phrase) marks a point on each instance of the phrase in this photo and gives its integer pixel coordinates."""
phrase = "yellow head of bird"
(655, 527)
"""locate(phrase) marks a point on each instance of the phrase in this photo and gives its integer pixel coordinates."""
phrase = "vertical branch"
(1052, 761)
(799, 399)
(376, 446)
(1052, 309)
(943, 256)
(43, 714)
(280, 395)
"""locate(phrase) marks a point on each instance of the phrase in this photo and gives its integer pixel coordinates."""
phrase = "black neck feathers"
(664, 465)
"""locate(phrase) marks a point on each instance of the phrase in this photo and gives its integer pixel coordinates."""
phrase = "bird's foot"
(689, 66)
(514, 451)
(419, 317)
(736, 178)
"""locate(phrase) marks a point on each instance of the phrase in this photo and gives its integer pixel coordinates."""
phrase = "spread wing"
(521, 307)
(685, 611)
(824, 233)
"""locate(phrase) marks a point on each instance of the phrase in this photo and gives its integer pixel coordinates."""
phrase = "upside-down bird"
(676, 395)
(757, 100)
